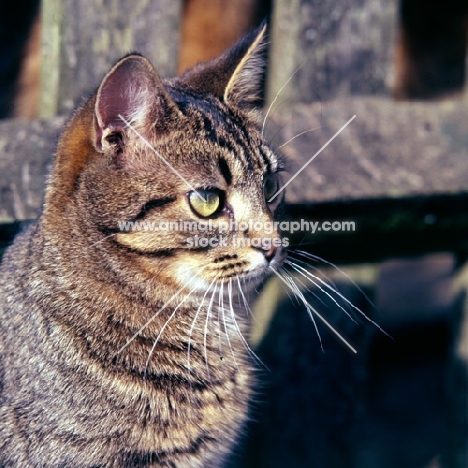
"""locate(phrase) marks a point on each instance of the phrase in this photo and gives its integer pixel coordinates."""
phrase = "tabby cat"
(124, 348)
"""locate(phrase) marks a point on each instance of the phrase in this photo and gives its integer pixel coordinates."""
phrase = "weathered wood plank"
(82, 40)
(26, 151)
(342, 48)
(390, 149)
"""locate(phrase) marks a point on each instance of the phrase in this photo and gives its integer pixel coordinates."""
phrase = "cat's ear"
(236, 77)
(131, 94)
(246, 86)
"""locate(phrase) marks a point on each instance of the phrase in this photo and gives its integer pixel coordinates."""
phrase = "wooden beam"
(384, 227)
(389, 150)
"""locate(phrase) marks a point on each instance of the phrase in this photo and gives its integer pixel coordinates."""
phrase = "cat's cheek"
(191, 274)
(146, 242)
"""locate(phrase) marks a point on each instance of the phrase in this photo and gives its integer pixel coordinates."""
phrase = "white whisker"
(219, 323)
(192, 328)
(299, 294)
(279, 129)
(151, 319)
(300, 134)
(309, 276)
(315, 269)
(103, 239)
(337, 268)
(225, 326)
(157, 153)
(205, 332)
(343, 298)
(244, 341)
(311, 310)
(311, 159)
(244, 300)
(310, 292)
(164, 327)
(331, 283)
(279, 92)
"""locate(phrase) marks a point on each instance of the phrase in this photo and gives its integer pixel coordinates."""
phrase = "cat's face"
(180, 184)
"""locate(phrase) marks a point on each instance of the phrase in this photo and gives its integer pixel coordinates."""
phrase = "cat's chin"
(248, 281)
(239, 284)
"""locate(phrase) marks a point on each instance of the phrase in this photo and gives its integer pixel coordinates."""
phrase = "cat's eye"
(270, 187)
(205, 203)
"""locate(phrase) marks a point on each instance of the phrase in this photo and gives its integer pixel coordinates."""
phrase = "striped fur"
(91, 373)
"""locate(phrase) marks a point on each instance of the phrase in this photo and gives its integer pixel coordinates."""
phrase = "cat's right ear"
(236, 77)
(131, 97)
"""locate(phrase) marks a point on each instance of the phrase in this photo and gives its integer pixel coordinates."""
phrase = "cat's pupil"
(205, 203)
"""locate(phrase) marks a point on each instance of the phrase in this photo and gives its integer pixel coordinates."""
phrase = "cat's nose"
(270, 254)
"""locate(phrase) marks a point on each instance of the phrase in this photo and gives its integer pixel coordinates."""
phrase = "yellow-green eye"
(205, 203)
(270, 187)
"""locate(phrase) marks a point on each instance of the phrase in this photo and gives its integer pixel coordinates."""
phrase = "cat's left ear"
(237, 77)
(132, 98)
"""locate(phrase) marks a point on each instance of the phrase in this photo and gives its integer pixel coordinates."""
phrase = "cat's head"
(172, 180)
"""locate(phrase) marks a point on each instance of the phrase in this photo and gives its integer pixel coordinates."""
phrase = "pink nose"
(270, 254)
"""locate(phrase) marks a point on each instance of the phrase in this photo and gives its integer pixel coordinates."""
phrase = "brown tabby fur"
(75, 290)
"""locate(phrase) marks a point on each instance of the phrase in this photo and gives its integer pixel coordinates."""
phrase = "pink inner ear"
(119, 92)
(112, 103)
(126, 90)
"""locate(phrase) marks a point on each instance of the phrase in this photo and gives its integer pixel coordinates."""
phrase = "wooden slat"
(26, 151)
(82, 40)
(389, 150)
(342, 48)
